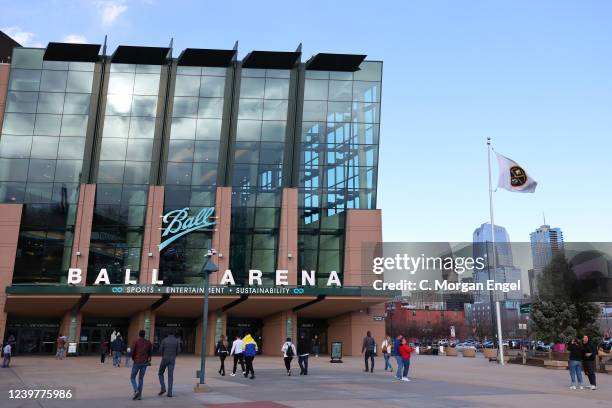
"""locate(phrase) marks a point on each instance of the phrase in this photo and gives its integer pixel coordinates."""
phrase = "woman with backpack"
(222, 351)
(289, 352)
(386, 347)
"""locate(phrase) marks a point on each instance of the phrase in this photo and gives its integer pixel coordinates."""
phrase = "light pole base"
(201, 388)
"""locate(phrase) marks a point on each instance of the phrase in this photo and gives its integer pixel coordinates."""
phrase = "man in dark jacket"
(369, 347)
(303, 351)
(141, 355)
(169, 349)
(589, 355)
(117, 347)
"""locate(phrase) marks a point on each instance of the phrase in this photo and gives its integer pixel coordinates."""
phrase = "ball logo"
(518, 176)
(180, 223)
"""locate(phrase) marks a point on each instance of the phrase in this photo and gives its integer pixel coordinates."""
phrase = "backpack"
(289, 351)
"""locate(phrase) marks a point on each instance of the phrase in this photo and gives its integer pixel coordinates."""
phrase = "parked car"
(465, 345)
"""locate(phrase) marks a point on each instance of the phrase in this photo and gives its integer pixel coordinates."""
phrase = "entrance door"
(241, 327)
(316, 331)
(186, 336)
(94, 332)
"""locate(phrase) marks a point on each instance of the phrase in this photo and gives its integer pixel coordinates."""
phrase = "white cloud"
(22, 37)
(75, 38)
(110, 10)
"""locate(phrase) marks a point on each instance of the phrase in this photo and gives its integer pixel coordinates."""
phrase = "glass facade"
(124, 170)
(41, 158)
(125, 127)
(338, 161)
(192, 164)
(256, 177)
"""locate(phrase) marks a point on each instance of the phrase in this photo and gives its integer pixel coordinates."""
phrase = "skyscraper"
(545, 243)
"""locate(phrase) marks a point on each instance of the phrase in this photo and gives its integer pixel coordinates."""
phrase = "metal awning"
(127, 54)
(335, 62)
(203, 57)
(271, 59)
(72, 52)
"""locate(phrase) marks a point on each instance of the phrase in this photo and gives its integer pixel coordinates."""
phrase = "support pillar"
(350, 328)
(152, 234)
(276, 329)
(221, 235)
(139, 321)
(217, 321)
(288, 235)
(10, 220)
(362, 226)
(82, 230)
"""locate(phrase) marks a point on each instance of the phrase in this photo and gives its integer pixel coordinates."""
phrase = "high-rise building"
(546, 242)
(118, 174)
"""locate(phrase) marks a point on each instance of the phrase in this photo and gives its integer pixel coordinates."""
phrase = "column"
(350, 328)
(288, 235)
(276, 329)
(144, 320)
(362, 226)
(211, 340)
(10, 220)
(152, 234)
(4, 79)
(82, 230)
(221, 235)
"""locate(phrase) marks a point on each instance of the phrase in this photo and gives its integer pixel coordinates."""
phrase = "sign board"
(72, 348)
(180, 223)
(336, 352)
(378, 318)
(525, 308)
(452, 331)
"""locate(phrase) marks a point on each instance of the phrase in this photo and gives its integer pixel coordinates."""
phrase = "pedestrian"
(222, 350)
(315, 345)
(117, 347)
(386, 347)
(589, 354)
(141, 356)
(575, 363)
(61, 347)
(398, 357)
(303, 351)
(128, 356)
(405, 351)
(288, 350)
(368, 347)
(250, 350)
(237, 352)
(169, 348)
(6, 351)
(103, 351)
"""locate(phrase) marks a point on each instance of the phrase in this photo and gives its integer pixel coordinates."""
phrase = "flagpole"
(500, 343)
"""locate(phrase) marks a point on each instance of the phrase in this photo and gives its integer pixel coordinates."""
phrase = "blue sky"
(536, 76)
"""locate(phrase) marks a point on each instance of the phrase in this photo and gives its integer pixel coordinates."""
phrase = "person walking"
(398, 357)
(250, 350)
(289, 351)
(117, 347)
(128, 356)
(303, 351)
(368, 347)
(589, 355)
(103, 350)
(316, 346)
(237, 352)
(6, 351)
(169, 348)
(141, 356)
(386, 347)
(575, 363)
(405, 351)
(222, 350)
(61, 347)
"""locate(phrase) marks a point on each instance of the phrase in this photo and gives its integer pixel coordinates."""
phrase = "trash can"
(434, 350)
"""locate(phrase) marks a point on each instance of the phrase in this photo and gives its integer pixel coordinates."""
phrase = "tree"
(557, 315)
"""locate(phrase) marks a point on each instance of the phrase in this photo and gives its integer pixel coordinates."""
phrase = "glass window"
(11, 192)
(113, 149)
(18, 124)
(148, 69)
(214, 71)
(340, 90)
(369, 71)
(111, 171)
(185, 107)
(253, 72)
(55, 65)
(146, 84)
(39, 192)
(180, 151)
(44, 147)
(24, 80)
(71, 148)
(121, 83)
(41, 170)
(116, 126)
(68, 171)
(315, 90)
(178, 173)
(248, 130)
(265, 217)
(208, 129)
(137, 172)
(139, 149)
(48, 125)
(339, 112)
(143, 128)
(366, 112)
(252, 88)
(15, 146)
(187, 85)
(206, 152)
(50, 103)
(144, 105)
(13, 170)
(366, 91)
(23, 102)
(211, 108)
(27, 58)
(79, 81)
(108, 194)
(204, 174)
(275, 109)
(246, 152)
(185, 70)
(271, 153)
(74, 125)
(250, 109)
(76, 104)
(81, 66)
(53, 81)
(344, 76)
(119, 105)
(314, 110)
(213, 87)
(123, 68)
(277, 89)
(273, 131)
(183, 128)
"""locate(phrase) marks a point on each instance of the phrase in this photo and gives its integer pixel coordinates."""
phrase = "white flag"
(513, 177)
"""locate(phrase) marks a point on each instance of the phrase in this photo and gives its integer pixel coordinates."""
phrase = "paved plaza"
(437, 382)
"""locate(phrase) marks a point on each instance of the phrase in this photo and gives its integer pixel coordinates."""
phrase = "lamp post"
(208, 268)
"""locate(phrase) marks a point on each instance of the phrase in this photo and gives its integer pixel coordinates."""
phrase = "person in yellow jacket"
(250, 350)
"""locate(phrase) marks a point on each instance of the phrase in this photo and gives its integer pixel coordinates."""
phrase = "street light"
(208, 268)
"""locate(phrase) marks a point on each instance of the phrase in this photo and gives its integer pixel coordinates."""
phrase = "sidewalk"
(437, 382)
